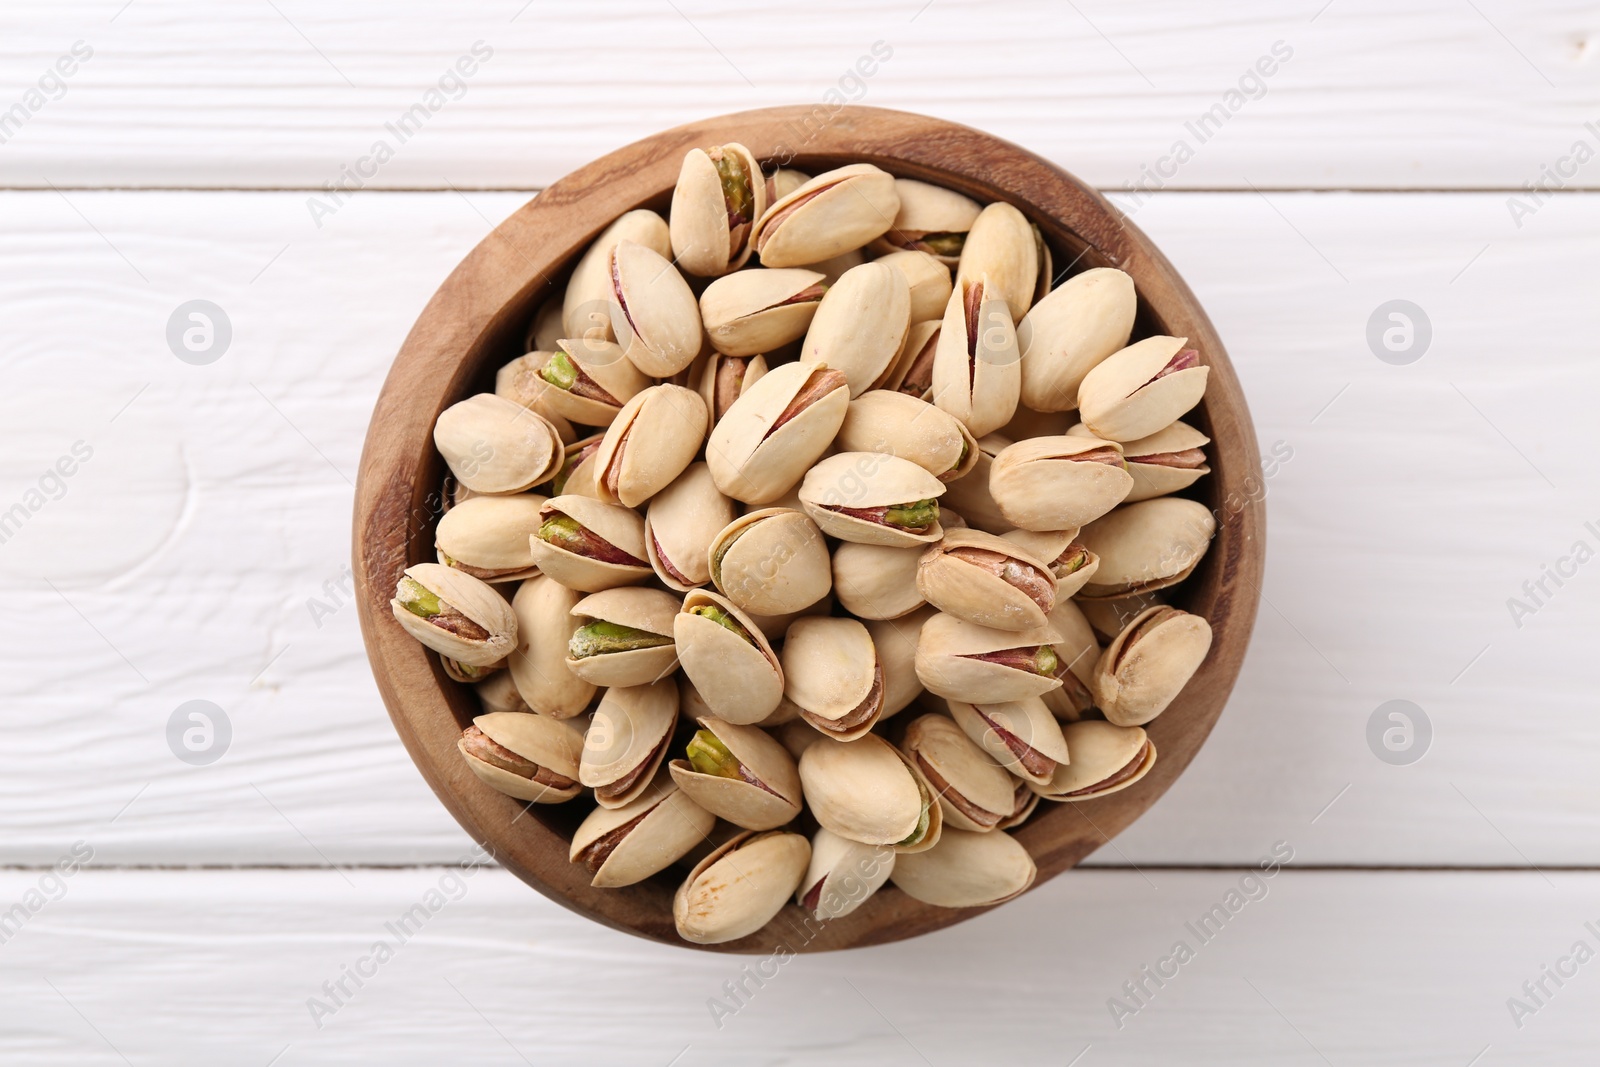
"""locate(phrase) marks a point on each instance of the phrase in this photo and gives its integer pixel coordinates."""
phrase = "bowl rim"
(492, 294)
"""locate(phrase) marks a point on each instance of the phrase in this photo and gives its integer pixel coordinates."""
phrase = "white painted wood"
(216, 505)
(1415, 94)
(201, 968)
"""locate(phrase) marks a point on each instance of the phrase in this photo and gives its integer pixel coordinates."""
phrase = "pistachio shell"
(834, 267)
(866, 790)
(927, 210)
(1108, 617)
(1148, 664)
(969, 495)
(607, 369)
(740, 680)
(738, 889)
(896, 643)
(656, 829)
(899, 425)
(1128, 397)
(650, 610)
(549, 743)
(987, 580)
(973, 789)
(753, 311)
(487, 536)
(468, 674)
(842, 875)
(1051, 483)
(462, 599)
(680, 525)
(772, 561)
(966, 870)
(620, 527)
(1158, 478)
(1002, 245)
(783, 181)
(544, 330)
(705, 240)
(519, 382)
(770, 800)
(723, 379)
(1079, 649)
(1027, 423)
(831, 671)
(627, 740)
(585, 307)
(911, 372)
(1072, 331)
(860, 324)
(1102, 753)
(868, 481)
(946, 666)
(796, 736)
(498, 692)
(493, 445)
(976, 368)
(877, 581)
(928, 278)
(1021, 735)
(543, 608)
(576, 476)
(751, 461)
(654, 313)
(1071, 563)
(775, 626)
(833, 213)
(1147, 546)
(653, 439)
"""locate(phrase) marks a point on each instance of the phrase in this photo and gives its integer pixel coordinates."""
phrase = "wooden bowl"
(476, 322)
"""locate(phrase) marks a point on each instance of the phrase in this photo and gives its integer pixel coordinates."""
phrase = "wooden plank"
(215, 507)
(229, 967)
(1359, 94)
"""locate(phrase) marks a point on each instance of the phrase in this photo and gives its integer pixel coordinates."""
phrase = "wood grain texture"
(1411, 94)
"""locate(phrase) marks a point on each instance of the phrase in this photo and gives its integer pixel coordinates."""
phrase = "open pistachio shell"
(896, 643)
(976, 368)
(842, 875)
(726, 656)
(969, 495)
(831, 672)
(719, 195)
(963, 661)
(576, 476)
(1167, 461)
(454, 614)
(1072, 331)
(966, 870)
(738, 889)
(1105, 758)
(1147, 546)
(860, 324)
(653, 439)
(1004, 246)
(911, 372)
(868, 791)
(498, 692)
(588, 380)
(654, 314)
(724, 379)
(783, 181)
(1141, 389)
(873, 498)
(975, 792)
(543, 608)
(929, 281)
(624, 637)
(1149, 663)
(530, 757)
(1021, 735)
(487, 536)
(589, 545)
(1058, 483)
(754, 311)
(1079, 651)
(586, 305)
(740, 773)
(833, 213)
(771, 561)
(520, 382)
(625, 845)
(627, 740)
(682, 521)
(987, 580)
(494, 445)
(877, 581)
(899, 425)
(466, 673)
(775, 431)
(1071, 563)
(932, 220)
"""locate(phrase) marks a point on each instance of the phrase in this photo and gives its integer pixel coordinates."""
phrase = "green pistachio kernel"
(600, 638)
(559, 371)
(913, 516)
(944, 244)
(416, 598)
(710, 756)
(736, 189)
(721, 618)
(922, 826)
(966, 450)
(1045, 661)
(563, 531)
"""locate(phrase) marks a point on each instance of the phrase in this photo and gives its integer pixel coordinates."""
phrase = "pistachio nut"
(653, 439)
(577, 473)
(831, 214)
(771, 561)
(899, 425)
(1105, 758)
(1167, 461)
(739, 773)
(842, 875)
(796, 736)
(487, 536)
(874, 499)
(724, 379)
(1003, 246)
(776, 430)
(1046, 264)
(911, 372)
(738, 888)
(585, 307)
(896, 643)
(834, 267)
(1071, 563)
(869, 791)
(860, 324)
(976, 371)
(1147, 546)
(1141, 389)
(519, 381)
(974, 790)
(831, 671)
(625, 637)
(625, 845)
(494, 445)
(529, 757)
(969, 495)
(1072, 331)
(775, 626)
(719, 195)
(545, 328)
(966, 870)
(964, 661)
(682, 521)
(545, 624)
(454, 614)
(627, 740)
(877, 581)
(932, 220)
(987, 580)
(1058, 483)
(929, 282)
(498, 692)
(589, 545)
(1026, 802)
(1079, 651)
(587, 380)
(653, 312)
(727, 658)
(754, 311)
(1021, 735)
(783, 181)
(1148, 664)
(467, 673)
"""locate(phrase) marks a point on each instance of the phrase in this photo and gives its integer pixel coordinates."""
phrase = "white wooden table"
(198, 549)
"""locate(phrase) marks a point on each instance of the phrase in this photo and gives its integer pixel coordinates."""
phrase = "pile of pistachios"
(814, 540)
